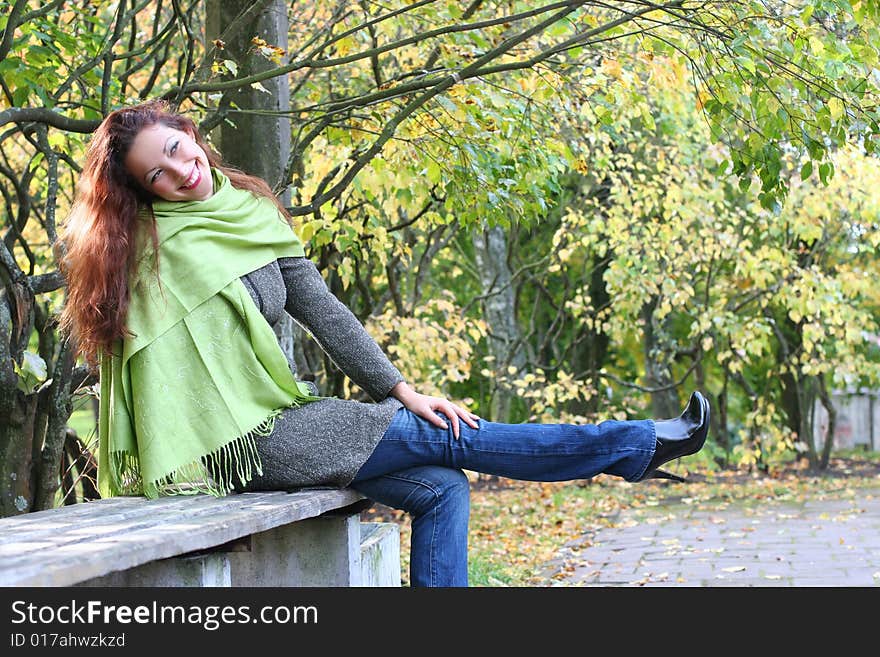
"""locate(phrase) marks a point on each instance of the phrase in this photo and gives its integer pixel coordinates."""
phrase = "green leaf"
(769, 201)
(747, 64)
(35, 162)
(807, 170)
(807, 13)
(824, 119)
(433, 171)
(20, 96)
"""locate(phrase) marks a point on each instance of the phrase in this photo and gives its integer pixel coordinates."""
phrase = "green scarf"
(183, 401)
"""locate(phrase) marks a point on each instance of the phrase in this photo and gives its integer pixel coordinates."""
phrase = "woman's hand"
(425, 406)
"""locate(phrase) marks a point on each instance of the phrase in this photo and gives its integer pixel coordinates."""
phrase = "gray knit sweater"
(323, 443)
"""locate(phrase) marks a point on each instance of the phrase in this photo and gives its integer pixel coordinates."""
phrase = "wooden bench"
(302, 538)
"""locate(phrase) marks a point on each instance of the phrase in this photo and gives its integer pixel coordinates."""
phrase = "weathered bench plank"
(61, 547)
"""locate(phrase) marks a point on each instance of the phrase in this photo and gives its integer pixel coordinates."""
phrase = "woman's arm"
(341, 335)
(338, 332)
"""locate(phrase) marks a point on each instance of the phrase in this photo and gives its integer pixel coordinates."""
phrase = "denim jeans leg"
(438, 499)
(527, 451)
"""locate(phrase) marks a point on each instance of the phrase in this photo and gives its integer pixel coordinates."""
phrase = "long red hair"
(99, 233)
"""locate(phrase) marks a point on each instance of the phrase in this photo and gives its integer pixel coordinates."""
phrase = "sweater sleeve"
(335, 328)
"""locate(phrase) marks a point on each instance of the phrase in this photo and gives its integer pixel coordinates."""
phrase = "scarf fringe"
(214, 473)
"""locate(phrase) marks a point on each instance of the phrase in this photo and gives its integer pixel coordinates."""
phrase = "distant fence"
(858, 419)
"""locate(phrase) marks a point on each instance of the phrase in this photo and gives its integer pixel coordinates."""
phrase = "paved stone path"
(821, 542)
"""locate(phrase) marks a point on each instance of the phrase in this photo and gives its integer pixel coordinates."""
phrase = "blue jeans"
(417, 467)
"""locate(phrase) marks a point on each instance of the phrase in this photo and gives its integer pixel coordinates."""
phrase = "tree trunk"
(791, 401)
(665, 402)
(806, 398)
(17, 415)
(257, 144)
(832, 423)
(16, 451)
(799, 398)
(718, 421)
(499, 310)
(592, 356)
(798, 391)
(58, 408)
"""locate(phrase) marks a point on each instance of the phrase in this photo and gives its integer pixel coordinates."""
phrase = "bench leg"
(380, 554)
(323, 551)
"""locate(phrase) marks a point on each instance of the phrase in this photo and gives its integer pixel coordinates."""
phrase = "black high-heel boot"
(679, 437)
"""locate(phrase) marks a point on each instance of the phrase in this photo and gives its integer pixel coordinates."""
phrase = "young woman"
(177, 269)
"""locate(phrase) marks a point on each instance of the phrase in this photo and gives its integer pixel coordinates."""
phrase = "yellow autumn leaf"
(835, 106)
(612, 67)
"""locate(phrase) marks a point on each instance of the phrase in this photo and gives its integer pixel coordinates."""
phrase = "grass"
(482, 572)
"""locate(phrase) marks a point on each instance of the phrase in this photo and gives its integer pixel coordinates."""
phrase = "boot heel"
(662, 474)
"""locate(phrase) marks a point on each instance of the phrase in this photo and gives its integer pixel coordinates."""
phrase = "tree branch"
(12, 22)
(568, 5)
(671, 386)
(472, 70)
(47, 116)
(42, 283)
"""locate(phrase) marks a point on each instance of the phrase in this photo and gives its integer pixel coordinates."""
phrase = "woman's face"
(170, 164)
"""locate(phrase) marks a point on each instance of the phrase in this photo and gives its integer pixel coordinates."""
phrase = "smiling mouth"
(194, 178)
